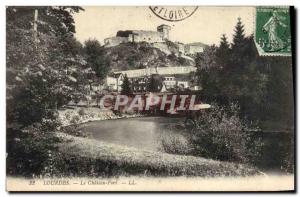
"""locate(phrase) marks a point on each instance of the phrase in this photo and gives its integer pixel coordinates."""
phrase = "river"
(141, 133)
(146, 133)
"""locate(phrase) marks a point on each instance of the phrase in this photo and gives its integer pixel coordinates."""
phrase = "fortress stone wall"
(115, 41)
(160, 35)
(145, 36)
(156, 38)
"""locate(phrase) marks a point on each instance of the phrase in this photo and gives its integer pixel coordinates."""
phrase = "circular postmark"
(173, 14)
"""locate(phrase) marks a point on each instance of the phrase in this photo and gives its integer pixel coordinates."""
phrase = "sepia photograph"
(150, 98)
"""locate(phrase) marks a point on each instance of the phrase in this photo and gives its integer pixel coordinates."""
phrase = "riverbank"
(78, 115)
(98, 158)
(160, 133)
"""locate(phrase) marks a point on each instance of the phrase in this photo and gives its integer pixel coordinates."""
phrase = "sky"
(206, 25)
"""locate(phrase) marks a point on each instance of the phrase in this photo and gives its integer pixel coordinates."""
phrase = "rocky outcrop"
(127, 56)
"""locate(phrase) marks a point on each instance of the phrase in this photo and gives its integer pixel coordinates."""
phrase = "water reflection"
(142, 133)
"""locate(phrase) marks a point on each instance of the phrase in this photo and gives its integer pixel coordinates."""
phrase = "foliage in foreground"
(235, 72)
(29, 150)
(43, 64)
(218, 133)
(79, 156)
(175, 144)
(221, 134)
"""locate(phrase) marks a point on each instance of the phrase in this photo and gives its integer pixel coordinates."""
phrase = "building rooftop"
(115, 75)
(163, 25)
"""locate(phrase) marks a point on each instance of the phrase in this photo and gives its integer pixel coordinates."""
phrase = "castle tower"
(164, 30)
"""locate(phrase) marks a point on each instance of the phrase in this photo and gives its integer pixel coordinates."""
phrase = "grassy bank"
(82, 156)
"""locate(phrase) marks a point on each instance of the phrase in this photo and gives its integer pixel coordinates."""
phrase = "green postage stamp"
(273, 33)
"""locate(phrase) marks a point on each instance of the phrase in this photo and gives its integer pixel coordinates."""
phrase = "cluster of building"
(155, 38)
(167, 78)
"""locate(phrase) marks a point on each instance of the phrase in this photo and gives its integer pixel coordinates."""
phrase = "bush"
(81, 112)
(68, 115)
(75, 119)
(175, 144)
(29, 151)
(219, 133)
(74, 130)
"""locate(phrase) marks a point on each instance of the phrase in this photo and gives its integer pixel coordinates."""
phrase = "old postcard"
(151, 98)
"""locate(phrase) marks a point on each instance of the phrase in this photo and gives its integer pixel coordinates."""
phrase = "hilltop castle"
(156, 38)
(160, 35)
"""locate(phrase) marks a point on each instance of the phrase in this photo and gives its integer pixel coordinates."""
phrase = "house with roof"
(193, 48)
(114, 81)
(139, 84)
(176, 81)
(162, 82)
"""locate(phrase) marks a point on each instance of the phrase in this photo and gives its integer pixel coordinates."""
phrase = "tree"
(154, 83)
(278, 102)
(126, 86)
(239, 48)
(239, 36)
(223, 53)
(220, 133)
(234, 75)
(224, 45)
(40, 70)
(43, 62)
(208, 72)
(207, 59)
(96, 59)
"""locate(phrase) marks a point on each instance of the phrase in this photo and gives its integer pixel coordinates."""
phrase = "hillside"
(128, 56)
